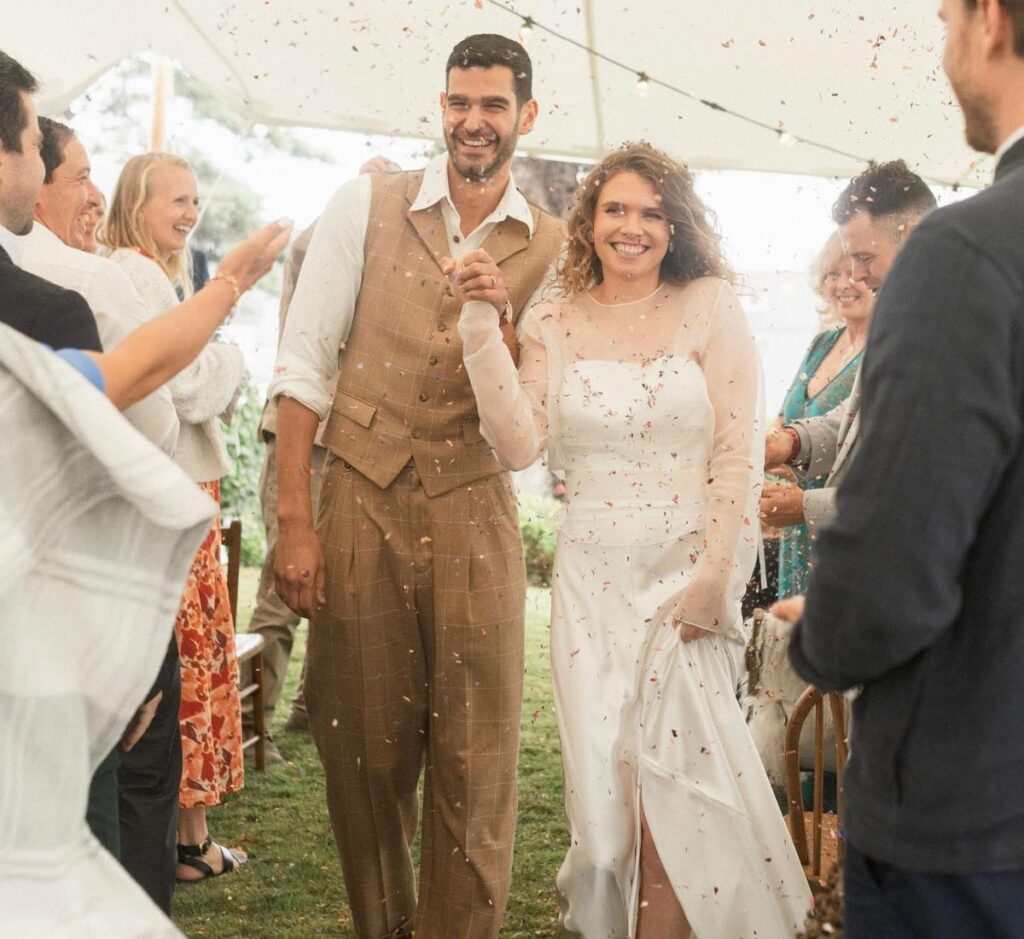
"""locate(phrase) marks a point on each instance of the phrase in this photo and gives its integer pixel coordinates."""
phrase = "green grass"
(292, 888)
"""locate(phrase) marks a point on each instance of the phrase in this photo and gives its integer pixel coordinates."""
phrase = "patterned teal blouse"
(795, 542)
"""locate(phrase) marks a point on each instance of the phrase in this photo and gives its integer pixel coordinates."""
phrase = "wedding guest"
(642, 381)
(272, 619)
(93, 220)
(84, 586)
(55, 249)
(823, 381)
(876, 212)
(152, 212)
(916, 596)
(32, 305)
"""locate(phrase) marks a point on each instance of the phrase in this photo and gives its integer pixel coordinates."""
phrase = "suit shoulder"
(987, 223)
(1001, 203)
(22, 286)
(47, 312)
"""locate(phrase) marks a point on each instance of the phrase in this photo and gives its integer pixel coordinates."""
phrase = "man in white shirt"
(134, 794)
(53, 250)
(416, 599)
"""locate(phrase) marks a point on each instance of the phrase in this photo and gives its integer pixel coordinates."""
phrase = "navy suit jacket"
(917, 589)
(47, 313)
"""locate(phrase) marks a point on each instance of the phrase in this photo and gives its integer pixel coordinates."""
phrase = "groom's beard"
(504, 147)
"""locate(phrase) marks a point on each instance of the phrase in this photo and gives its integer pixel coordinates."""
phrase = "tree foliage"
(240, 491)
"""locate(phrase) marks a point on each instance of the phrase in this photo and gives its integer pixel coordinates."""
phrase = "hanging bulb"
(643, 83)
(787, 139)
(526, 30)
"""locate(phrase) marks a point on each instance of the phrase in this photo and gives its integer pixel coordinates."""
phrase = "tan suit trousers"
(415, 665)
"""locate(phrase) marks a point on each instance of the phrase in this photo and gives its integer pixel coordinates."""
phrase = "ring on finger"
(494, 281)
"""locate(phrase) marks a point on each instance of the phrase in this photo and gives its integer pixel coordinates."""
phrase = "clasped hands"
(475, 276)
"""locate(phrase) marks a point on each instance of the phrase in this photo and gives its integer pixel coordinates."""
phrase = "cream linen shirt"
(12, 244)
(320, 316)
(118, 309)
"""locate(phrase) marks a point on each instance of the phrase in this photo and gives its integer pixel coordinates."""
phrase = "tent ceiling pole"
(588, 19)
(163, 91)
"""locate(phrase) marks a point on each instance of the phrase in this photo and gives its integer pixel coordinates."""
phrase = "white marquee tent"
(864, 79)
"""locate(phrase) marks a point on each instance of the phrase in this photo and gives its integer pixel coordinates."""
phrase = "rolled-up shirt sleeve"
(321, 311)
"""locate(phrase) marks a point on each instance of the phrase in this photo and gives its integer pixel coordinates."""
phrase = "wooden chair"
(248, 646)
(825, 848)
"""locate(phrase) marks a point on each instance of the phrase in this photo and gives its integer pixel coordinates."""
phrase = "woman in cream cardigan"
(152, 212)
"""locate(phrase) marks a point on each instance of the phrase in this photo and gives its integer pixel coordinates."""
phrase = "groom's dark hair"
(486, 50)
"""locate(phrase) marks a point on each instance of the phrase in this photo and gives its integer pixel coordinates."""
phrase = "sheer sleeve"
(733, 375)
(512, 407)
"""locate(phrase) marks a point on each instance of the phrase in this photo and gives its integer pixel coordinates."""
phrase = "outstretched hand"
(250, 260)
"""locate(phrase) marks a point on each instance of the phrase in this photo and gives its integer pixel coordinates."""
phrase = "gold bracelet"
(231, 281)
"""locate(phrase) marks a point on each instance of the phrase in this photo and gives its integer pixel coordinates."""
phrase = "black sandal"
(191, 855)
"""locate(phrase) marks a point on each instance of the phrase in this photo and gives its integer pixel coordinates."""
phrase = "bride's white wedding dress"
(97, 531)
(649, 409)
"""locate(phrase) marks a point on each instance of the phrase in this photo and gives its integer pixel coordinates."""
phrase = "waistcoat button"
(423, 396)
(441, 327)
(432, 360)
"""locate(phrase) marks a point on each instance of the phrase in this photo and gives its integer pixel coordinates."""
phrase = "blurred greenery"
(538, 522)
(240, 491)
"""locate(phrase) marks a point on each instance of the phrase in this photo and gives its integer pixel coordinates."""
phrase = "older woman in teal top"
(823, 381)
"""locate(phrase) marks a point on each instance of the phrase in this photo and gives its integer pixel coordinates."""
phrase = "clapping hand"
(782, 504)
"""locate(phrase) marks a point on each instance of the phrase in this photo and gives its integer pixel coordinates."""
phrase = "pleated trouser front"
(415, 665)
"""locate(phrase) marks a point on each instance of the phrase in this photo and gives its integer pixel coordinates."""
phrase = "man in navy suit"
(916, 593)
(61, 318)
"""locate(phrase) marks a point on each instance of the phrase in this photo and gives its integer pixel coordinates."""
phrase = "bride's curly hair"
(696, 248)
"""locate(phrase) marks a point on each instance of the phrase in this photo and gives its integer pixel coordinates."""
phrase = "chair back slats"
(812, 700)
(231, 538)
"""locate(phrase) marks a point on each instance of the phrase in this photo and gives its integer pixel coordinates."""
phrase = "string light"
(526, 30)
(644, 81)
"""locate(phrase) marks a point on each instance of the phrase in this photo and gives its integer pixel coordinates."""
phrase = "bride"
(642, 381)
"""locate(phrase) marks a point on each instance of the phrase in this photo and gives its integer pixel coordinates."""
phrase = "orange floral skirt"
(211, 713)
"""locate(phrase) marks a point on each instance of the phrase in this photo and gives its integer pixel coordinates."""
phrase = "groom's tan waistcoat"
(402, 391)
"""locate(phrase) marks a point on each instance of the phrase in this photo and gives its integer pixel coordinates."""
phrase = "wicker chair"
(825, 849)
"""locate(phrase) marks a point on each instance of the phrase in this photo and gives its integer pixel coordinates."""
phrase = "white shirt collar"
(13, 244)
(42, 238)
(1018, 134)
(435, 188)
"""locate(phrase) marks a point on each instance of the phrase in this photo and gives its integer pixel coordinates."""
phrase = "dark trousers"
(148, 780)
(101, 809)
(886, 902)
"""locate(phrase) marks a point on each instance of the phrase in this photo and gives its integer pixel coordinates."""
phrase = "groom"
(414, 578)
